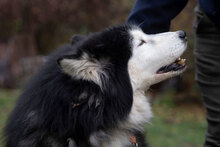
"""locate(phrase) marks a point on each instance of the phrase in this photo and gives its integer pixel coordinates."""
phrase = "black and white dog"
(92, 91)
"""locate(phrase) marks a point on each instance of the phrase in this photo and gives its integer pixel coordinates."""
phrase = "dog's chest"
(119, 137)
(140, 112)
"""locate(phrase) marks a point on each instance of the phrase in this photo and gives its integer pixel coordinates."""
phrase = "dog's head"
(148, 59)
(99, 56)
(156, 57)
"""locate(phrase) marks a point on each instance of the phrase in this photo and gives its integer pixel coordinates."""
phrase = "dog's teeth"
(181, 61)
(178, 59)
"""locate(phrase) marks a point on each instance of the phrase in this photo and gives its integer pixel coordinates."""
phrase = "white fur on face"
(150, 53)
(157, 51)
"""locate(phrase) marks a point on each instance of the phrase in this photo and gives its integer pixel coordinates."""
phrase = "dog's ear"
(81, 67)
(77, 38)
(61, 60)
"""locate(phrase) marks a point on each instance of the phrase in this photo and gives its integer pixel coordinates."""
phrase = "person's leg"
(207, 62)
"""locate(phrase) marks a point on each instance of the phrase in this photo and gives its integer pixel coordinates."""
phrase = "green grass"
(7, 101)
(176, 125)
(172, 126)
(183, 134)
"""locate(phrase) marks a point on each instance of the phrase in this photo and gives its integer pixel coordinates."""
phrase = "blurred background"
(31, 29)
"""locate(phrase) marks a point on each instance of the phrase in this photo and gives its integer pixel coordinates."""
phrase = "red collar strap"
(133, 140)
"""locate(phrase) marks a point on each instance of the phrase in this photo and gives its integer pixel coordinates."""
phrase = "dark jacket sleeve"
(154, 16)
(212, 9)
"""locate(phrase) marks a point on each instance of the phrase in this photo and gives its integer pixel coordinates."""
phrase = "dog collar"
(133, 140)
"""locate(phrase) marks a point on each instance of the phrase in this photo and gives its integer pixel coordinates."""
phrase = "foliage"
(51, 21)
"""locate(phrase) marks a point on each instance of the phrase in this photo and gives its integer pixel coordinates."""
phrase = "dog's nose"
(182, 34)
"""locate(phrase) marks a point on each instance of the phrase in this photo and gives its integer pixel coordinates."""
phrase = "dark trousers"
(207, 62)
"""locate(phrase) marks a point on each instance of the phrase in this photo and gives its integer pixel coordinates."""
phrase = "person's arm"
(154, 16)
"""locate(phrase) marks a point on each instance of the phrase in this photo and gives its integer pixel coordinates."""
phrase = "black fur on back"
(44, 115)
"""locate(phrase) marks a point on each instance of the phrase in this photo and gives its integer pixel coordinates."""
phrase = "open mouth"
(177, 65)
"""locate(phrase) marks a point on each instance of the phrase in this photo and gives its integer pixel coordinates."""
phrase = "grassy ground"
(182, 134)
(7, 101)
(172, 126)
(176, 125)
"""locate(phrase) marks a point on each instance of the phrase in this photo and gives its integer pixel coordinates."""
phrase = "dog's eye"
(142, 42)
